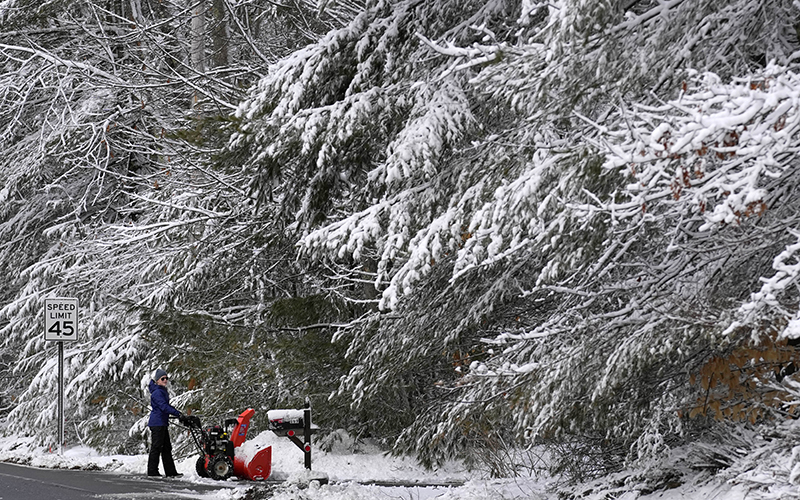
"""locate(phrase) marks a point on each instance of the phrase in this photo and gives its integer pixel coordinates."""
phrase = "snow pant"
(160, 447)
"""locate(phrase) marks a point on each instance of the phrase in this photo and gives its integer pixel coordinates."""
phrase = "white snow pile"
(750, 465)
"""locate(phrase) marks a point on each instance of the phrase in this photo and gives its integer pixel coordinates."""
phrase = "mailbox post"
(290, 423)
(307, 436)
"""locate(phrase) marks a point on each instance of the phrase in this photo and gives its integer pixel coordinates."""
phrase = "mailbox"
(286, 422)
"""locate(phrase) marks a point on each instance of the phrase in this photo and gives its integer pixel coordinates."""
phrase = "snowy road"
(29, 483)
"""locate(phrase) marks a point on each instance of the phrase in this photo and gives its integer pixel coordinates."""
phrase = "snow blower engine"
(221, 451)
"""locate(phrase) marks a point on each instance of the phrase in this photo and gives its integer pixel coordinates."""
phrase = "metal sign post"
(61, 398)
(61, 325)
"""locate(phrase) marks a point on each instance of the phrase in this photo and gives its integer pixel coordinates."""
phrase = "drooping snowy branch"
(717, 146)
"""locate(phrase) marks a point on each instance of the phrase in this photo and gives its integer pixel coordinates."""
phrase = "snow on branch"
(439, 118)
(786, 277)
(58, 61)
(476, 55)
(715, 147)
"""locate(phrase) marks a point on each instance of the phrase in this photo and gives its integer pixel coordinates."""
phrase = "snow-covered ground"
(354, 472)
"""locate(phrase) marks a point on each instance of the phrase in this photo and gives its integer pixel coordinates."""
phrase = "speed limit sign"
(60, 325)
(61, 319)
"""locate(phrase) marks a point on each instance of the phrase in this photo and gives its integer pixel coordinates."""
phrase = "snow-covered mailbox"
(290, 424)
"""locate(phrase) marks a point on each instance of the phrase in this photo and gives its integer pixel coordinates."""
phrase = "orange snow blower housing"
(221, 452)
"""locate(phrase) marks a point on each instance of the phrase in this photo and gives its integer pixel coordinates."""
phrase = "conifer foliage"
(566, 209)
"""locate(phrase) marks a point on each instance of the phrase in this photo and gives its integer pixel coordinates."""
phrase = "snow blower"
(221, 451)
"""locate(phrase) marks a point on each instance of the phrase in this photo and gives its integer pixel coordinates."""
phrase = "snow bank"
(368, 463)
(25, 451)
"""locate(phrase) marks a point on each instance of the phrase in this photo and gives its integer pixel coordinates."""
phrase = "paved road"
(18, 482)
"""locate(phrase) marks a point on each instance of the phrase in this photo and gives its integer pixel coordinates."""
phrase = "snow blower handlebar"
(190, 421)
(194, 426)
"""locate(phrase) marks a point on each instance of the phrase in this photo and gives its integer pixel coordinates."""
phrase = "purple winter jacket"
(161, 409)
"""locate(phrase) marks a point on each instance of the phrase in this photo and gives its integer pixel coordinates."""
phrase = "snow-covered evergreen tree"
(563, 207)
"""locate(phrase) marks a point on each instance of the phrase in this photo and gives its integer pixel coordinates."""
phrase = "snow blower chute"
(221, 452)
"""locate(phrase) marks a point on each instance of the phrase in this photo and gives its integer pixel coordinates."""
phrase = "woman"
(159, 420)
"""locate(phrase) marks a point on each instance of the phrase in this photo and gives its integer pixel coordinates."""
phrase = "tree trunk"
(198, 31)
(197, 49)
(219, 34)
(136, 12)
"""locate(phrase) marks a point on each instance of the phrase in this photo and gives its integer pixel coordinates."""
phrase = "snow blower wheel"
(220, 467)
(200, 466)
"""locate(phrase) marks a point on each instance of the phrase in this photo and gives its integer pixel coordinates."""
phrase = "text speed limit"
(61, 319)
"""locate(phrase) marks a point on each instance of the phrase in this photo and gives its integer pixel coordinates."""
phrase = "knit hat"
(159, 373)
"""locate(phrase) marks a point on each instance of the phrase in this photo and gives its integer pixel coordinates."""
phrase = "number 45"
(68, 329)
